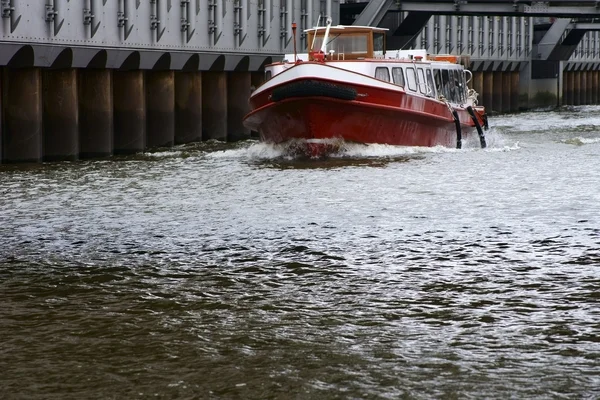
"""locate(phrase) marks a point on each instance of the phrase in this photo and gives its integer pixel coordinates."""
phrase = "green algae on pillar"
(214, 105)
(22, 113)
(238, 93)
(160, 108)
(129, 112)
(60, 115)
(95, 113)
(188, 107)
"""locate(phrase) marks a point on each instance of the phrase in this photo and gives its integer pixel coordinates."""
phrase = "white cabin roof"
(342, 27)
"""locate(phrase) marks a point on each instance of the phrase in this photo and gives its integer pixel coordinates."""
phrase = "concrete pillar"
(188, 107)
(214, 106)
(595, 86)
(589, 90)
(525, 85)
(514, 90)
(570, 79)
(160, 108)
(583, 87)
(1, 115)
(22, 109)
(488, 90)
(238, 92)
(565, 88)
(60, 115)
(498, 93)
(129, 112)
(95, 113)
(506, 91)
(577, 88)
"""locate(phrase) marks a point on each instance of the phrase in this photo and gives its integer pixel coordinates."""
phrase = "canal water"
(237, 271)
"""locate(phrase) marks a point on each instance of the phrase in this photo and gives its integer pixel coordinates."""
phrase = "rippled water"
(233, 271)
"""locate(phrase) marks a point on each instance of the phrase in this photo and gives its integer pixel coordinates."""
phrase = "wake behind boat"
(352, 89)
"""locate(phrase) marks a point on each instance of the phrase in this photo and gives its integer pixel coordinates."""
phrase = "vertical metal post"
(289, 13)
(219, 9)
(523, 36)
(153, 21)
(504, 36)
(267, 24)
(129, 13)
(486, 37)
(453, 34)
(431, 36)
(475, 51)
(513, 37)
(495, 36)
(309, 14)
(121, 17)
(87, 18)
(15, 15)
(466, 26)
(442, 33)
(162, 15)
(244, 19)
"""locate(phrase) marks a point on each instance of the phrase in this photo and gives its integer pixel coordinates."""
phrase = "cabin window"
(451, 87)
(378, 42)
(438, 81)
(457, 87)
(421, 74)
(382, 73)
(430, 86)
(267, 75)
(398, 76)
(348, 43)
(411, 79)
(445, 84)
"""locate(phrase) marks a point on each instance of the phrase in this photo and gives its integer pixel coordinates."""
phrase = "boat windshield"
(345, 45)
(378, 42)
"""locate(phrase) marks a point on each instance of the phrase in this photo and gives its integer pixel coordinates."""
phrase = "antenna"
(324, 45)
(312, 45)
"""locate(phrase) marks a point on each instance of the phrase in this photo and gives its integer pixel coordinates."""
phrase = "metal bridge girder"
(551, 39)
(374, 12)
(502, 7)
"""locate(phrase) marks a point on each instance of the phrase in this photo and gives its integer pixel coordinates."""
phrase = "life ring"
(311, 88)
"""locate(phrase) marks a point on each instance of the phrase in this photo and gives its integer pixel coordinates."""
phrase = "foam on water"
(496, 141)
(580, 141)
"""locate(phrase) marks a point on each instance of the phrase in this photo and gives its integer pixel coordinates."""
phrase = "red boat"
(352, 89)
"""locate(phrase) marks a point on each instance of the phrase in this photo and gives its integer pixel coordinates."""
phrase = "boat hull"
(315, 101)
(354, 121)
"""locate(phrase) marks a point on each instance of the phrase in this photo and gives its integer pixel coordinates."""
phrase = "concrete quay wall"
(71, 114)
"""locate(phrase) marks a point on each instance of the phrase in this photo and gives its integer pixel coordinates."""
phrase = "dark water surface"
(232, 271)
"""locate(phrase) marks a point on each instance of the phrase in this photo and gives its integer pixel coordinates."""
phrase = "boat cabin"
(347, 42)
(416, 71)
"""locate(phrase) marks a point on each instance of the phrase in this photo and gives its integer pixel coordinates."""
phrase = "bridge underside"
(554, 45)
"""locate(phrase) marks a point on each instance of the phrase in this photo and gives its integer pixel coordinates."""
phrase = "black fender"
(310, 88)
